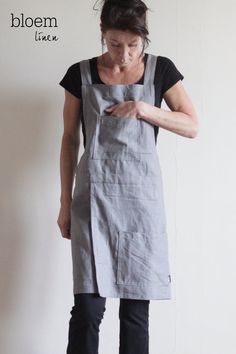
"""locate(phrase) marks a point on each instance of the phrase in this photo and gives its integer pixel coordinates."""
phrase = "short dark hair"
(129, 15)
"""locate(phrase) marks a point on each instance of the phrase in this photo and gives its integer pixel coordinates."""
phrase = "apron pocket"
(148, 191)
(142, 258)
(122, 138)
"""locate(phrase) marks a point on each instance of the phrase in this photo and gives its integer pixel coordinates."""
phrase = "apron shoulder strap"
(85, 72)
(150, 69)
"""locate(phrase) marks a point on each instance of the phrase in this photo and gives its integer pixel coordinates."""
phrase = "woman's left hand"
(127, 109)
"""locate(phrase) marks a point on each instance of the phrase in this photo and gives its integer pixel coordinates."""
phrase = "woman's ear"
(102, 36)
(102, 39)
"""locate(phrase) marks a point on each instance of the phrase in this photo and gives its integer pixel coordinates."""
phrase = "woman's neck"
(105, 62)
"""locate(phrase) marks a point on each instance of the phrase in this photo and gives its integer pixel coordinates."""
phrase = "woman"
(116, 218)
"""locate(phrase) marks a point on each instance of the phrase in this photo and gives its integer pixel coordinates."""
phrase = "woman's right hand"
(64, 220)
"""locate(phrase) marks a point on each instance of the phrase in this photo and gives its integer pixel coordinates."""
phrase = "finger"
(111, 108)
(67, 235)
(65, 231)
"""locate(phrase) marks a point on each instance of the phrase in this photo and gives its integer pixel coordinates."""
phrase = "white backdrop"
(199, 175)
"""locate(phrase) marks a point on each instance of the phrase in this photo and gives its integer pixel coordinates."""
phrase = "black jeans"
(87, 314)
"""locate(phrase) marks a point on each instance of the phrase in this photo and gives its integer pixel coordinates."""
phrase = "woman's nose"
(124, 53)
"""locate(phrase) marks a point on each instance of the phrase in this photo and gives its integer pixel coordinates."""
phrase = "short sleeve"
(72, 80)
(170, 74)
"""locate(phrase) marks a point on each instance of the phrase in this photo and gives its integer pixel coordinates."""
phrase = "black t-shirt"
(166, 75)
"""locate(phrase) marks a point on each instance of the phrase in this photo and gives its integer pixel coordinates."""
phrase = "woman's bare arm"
(69, 146)
(182, 119)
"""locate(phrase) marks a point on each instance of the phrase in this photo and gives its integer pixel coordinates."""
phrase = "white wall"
(199, 174)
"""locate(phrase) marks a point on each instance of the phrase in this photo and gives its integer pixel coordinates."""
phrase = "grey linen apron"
(118, 225)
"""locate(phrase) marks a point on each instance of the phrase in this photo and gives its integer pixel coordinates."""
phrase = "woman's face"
(124, 47)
